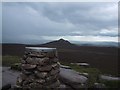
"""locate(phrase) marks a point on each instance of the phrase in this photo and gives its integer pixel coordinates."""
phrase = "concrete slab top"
(40, 49)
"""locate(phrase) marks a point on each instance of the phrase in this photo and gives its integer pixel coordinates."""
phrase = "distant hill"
(61, 43)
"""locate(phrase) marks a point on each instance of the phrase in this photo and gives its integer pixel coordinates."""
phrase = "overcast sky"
(40, 22)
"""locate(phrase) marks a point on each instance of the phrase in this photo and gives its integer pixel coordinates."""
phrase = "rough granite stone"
(28, 66)
(44, 68)
(40, 69)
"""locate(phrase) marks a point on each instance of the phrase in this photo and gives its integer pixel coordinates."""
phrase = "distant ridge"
(59, 43)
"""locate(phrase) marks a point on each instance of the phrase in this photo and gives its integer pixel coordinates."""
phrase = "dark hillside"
(13, 49)
(104, 58)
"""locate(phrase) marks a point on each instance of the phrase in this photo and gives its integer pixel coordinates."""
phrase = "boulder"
(54, 59)
(84, 74)
(28, 80)
(64, 87)
(40, 81)
(26, 72)
(109, 78)
(55, 66)
(37, 61)
(30, 60)
(44, 68)
(23, 61)
(53, 85)
(23, 76)
(99, 85)
(43, 61)
(38, 56)
(72, 78)
(41, 74)
(81, 64)
(19, 81)
(51, 78)
(24, 57)
(66, 67)
(28, 66)
(35, 86)
(54, 71)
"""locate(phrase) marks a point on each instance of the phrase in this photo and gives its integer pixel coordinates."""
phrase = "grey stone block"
(28, 66)
(44, 68)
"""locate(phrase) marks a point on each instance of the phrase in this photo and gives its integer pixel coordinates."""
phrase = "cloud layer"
(37, 22)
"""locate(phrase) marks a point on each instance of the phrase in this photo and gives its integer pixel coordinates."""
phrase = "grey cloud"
(84, 16)
(77, 13)
(22, 21)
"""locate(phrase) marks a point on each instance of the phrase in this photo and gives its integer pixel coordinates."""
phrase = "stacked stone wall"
(40, 68)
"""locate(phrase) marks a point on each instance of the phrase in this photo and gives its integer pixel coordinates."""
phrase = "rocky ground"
(68, 79)
(9, 76)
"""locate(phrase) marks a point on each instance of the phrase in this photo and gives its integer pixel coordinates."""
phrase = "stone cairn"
(40, 68)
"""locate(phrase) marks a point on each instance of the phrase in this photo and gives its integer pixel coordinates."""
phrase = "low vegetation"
(93, 73)
(10, 60)
(111, 84)
(16, 66)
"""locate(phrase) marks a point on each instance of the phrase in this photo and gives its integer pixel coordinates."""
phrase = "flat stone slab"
(109, 78)
(81, 64)
(9, 76)
(40, 49)
(28, 66)
(66, 67)
(44, 68)
(72, 77)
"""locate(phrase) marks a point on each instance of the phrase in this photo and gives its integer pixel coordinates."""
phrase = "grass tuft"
(10, 60)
